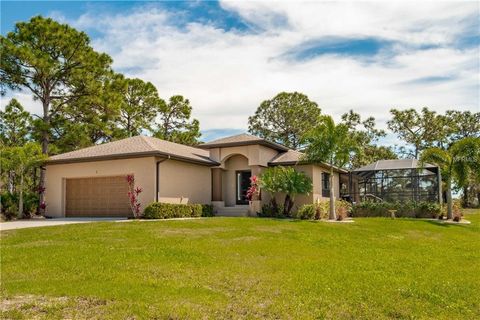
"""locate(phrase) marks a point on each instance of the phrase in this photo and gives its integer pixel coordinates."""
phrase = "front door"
(243, 183)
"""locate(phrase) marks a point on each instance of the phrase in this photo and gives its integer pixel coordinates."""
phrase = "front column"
(217, 184)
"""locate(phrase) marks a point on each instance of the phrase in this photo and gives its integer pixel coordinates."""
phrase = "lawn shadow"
(443, 224)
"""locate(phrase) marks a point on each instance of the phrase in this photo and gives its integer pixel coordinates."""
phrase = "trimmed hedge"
(158, 210)
(407, 209)
(207, 210)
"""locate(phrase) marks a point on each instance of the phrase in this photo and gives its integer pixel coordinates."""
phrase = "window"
(325, 184)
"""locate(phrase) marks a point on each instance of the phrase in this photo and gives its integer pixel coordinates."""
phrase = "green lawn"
(215, 268)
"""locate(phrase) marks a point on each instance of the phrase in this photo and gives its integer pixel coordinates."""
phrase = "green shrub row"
(321, 210)
(407, 209)
(158, 210)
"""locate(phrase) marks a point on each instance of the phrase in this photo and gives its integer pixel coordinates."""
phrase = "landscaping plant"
(159, 210)
(405, 209)
(133, 193)
(320, 210)
(253, 192)
(331, 144)
(456, 163)
(285, 180)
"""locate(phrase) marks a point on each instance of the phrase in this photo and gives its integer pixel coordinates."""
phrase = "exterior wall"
(255, 154)
(180, 182)
(317, 183)
(142, 168)
(234, 163)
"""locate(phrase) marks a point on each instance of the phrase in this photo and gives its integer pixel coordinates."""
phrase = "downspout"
(157, 180)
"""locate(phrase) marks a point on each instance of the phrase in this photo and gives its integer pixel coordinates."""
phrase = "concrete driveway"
(21, 224)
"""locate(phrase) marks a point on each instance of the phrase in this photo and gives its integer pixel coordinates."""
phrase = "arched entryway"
(236, 180)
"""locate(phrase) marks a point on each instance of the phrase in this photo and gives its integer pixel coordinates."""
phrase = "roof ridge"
(144, 138)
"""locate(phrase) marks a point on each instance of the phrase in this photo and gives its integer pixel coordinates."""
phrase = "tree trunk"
(332, 215)
(274, 205)
(45, 140)
(11, 182)
(20, 198)
(287, 205)
(449, 200)
(465, 197)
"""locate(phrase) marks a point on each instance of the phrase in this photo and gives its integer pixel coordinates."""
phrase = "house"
(92, 181)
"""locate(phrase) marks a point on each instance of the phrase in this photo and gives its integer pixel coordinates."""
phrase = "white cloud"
(25, 99)
(226, 74)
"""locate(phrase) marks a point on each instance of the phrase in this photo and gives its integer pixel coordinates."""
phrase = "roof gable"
(242, 139)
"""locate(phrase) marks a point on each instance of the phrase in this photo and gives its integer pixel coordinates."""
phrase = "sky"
(227, 57)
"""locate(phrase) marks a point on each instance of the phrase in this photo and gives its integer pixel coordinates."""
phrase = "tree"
(88, 120)
(53, 61)
(14, 124)
(332, 144)
(456, 163)
(284, 119)
(175, 124)
(365, 135)
(286, 180)
(139, 107)
(463, 124)
(422, 130)
(21, 159)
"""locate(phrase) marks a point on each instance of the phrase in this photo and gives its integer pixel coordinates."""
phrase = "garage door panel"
(103, 196)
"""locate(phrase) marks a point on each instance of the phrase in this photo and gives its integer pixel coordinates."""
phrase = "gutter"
(157, 180)
(131, 155)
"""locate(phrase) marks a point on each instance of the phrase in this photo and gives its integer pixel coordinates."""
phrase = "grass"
(215, 268)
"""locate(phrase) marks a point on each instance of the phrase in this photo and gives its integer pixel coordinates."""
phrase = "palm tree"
(456, 164)
(288, 181)
(331, 144)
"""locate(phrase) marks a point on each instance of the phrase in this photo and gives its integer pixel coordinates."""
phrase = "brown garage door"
(97, 197)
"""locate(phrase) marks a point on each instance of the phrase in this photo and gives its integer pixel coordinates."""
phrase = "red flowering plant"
(133, 193)
(253, 192)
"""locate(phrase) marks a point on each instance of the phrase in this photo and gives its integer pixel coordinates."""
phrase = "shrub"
(456, 210)
(306, 212)
(407, 209)
(9, 205)
(159, 210)
(196, 210)
(320, 210)
(207, 210)
(271, 211)
(30, 204)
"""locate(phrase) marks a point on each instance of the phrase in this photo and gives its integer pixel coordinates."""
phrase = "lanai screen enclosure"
(392, 180)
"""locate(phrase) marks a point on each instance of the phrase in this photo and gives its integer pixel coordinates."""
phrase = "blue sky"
(227, 57)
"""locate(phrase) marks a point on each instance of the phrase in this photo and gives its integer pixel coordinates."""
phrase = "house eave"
(131, 156)
(294, 163)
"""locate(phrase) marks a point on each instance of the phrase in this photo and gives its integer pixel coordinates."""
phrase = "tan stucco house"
(92, 181)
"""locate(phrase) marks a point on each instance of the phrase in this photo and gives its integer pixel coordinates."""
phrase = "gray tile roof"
(394, 165)
(134, 147)
(242, 139)
(291, 156)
